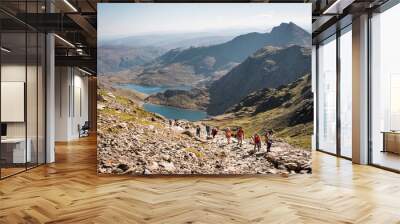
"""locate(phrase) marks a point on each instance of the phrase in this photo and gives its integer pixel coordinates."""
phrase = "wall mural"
(204, 88)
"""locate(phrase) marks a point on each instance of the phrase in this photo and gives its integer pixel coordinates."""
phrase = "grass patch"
(114, 130)
(102, 92)
(146, 122)
(122, 100)
(120, 115)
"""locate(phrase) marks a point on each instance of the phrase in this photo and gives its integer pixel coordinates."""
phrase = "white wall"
(62, 81)
(71, 87)
(9, 73)
(33, 126)
(80, 104)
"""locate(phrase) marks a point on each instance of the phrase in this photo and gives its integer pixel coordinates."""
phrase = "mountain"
(296, 98)
(178, 40)
(269, 67)
(169, 41)
(118, 58)
(288, 110)
(193, 99)
(194, 42)
(217, 60)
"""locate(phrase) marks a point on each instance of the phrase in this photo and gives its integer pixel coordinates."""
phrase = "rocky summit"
(133, 141)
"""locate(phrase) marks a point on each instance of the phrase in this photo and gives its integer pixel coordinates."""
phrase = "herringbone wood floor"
(70, 191)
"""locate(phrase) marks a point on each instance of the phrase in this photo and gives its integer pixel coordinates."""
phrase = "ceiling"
(75, 21)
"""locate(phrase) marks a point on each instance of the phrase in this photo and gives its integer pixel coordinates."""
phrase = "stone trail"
(143, 143)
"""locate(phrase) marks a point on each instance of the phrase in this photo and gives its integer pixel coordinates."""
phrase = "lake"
(149, 90)
(166, 111)
(175, 112)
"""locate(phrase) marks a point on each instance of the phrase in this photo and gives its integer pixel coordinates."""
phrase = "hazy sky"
(124, 19)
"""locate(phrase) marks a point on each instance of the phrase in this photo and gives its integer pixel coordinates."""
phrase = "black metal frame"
(338, 98)
(44, 77)
(369, 114)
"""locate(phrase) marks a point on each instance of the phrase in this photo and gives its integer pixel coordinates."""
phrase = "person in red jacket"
(257, 142)
(240, 136)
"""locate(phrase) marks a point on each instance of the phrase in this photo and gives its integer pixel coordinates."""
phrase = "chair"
(84, 130)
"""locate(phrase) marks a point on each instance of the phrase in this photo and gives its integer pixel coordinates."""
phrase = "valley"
(257, 81)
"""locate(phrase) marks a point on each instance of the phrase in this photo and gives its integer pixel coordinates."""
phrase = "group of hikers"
(239, 135)
(211, 132)
(173, 122)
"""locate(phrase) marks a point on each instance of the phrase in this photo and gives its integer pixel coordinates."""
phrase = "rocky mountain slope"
(269, 67)
(133, 141)
(216, 60)
(194, 99)
(288, 110)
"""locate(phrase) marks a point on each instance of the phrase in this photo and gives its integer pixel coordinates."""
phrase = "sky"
(133, 19)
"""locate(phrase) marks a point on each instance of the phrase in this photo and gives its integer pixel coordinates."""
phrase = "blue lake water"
(175, 112)
(152, 89)
(166, 111)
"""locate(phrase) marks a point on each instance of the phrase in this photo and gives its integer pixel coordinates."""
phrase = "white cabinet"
(19, 155)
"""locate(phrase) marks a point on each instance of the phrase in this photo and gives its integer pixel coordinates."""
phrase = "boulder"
(168, 166)
(122, 125)
(188, 133)
(100, 106)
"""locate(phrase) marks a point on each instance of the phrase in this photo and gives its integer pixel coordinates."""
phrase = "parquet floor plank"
(70, 191)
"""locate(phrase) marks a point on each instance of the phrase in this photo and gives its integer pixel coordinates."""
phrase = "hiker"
(240, 136)
(257, 142)
(208, 130)
(228, 135)
(268, 139)
(176, 122)
(170, 122)
(198, 130)
(214, 132)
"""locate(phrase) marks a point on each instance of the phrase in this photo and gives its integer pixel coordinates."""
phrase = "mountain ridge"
(217, 60)
(269, 67)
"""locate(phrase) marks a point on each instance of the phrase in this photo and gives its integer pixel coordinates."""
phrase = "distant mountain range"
(118, 58)
(131, 52)
(170, 41)
(217, 60)
(269, 67)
